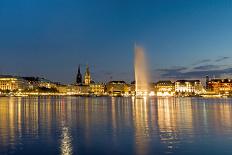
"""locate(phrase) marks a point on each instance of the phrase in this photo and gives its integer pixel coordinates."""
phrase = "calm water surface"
(115, 126)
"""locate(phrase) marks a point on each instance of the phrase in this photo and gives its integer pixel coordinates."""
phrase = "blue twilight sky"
(49, 38)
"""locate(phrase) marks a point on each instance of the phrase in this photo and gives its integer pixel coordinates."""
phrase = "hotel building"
(97, 88)
(118, 88)
(12, 83)
(165, 88)
(188, 87)
(220, 86)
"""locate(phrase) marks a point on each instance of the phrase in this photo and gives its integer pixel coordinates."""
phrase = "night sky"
(49, 38)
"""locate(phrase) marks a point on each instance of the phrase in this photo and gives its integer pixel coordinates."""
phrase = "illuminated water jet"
(141, 72)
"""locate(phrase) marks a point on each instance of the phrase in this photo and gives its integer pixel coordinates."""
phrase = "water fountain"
(141, 72)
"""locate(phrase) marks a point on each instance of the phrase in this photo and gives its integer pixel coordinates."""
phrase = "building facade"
(12, 83)
(36, 82)
(97, 89)
(118, 88)
(220, 86)
(188, 87)
(165, 88)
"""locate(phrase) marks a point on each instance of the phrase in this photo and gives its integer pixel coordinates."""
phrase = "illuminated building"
(35, 82)
(73, 90)
(87, 76)
(188, 87)
(97, 88)
(83, 89)
(46, 83)
(62, 88)
(150, 88)
(79, 76)
(12, 83)
(132, 88)
(128, 90)
(220, 86)
(78, 90)
(118, 88)
(165, 88)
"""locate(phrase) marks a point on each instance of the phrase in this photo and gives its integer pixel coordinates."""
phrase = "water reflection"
(111, 125)
(66, 137)
(66, 142)
(141, 125)
(174, 121)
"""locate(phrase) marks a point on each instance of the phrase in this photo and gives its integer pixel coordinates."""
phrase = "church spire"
(87, 76)
(87, 70)
(79, 76)
(79, 70)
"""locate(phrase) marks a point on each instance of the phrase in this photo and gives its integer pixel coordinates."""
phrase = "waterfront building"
(132, 88)
(150, 88)
(188, 87)
(62, 88)
(83, 89)
(87, 76)
(79, 76)
(97, 88)
(12, 83)
(46, 83)
(128, 90)
(73, 90)
(165, 88)
(118, 88)
(220, 86)
(35, 82)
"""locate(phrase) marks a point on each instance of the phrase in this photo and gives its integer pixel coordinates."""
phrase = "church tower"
(79, 76)
(87, 76)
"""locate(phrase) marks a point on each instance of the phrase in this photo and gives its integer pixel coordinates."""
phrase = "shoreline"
(78, 95)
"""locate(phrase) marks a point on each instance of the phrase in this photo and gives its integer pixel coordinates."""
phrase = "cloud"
(171, 72)
(202, 62)
(199, 69)
(197, 72)
(173, 69)
(222, 59)
(206, 67)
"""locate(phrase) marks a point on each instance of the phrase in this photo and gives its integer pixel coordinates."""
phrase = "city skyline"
(183, 39)
(115, 77)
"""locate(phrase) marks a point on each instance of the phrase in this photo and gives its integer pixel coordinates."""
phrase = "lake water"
(115, 126)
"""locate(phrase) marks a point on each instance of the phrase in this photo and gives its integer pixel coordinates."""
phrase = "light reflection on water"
(66, 142)
(110, 125)
(66, 137)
